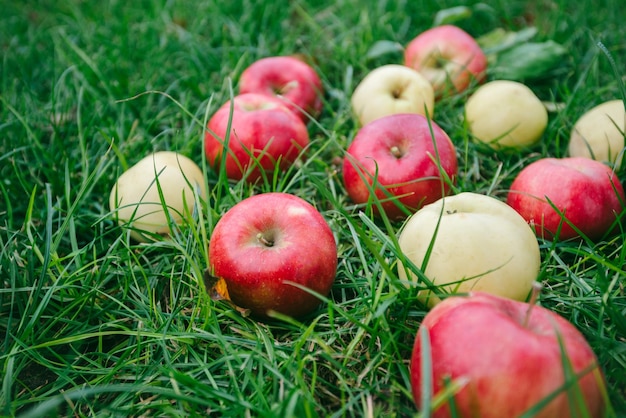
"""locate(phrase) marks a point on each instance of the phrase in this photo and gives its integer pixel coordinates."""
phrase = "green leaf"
(528, 61)
(383, 48)
(452, 15)
(500, 39)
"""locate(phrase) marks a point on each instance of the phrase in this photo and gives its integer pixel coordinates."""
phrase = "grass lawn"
(95, 324)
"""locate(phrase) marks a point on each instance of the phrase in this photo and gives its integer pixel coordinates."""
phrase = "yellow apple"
(476, 243)
(392, 89)
(163, 179)
(506, 114)
(599, 133)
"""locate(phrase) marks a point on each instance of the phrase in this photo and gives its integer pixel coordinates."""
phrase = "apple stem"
(395, 151)
(263, 240)
(536, 290)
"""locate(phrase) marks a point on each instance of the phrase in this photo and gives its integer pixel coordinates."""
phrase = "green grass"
(92, 323)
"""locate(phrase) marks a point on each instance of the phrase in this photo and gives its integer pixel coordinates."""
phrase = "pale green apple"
(599, 133)
(506, 114)
(475, 243)
(392, 89)
(161, 179)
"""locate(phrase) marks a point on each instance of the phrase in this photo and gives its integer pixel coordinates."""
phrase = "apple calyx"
(396, 93)
(534, 296)
(437, 60)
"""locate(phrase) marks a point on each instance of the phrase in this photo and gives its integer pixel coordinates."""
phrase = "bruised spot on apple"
(266, 246)
(406, 159)
(552, 194)
(508, 356)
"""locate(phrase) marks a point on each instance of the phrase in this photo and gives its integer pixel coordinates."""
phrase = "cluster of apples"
(488, 353)
(403, 166)
(256, 246)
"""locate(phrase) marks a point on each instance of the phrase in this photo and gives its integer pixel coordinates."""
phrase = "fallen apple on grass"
(599, 133)
(559, 197)
(264, 136)
(392, 89)
(470, 242)
(405, 160)
(267, 247)
(448, 57)
(506, 114)
(505, 358)
(288, 78)
(160, 189)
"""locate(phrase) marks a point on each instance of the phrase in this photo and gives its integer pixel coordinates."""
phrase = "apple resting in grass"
(405, 165)
(552, 193)
(476, 242)
(160, 189)
(264, 136)
(448, 57)
(266, 246)
(506, 114)
(599, 133)
(288, 78)
(506, 358)
(392, 89)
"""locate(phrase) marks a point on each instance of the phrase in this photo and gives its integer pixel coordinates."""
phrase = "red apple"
(264, 134)
(506, 359)
(289, 78)
(408, 157)
(448, 57)
(265, 246)
(585, 192)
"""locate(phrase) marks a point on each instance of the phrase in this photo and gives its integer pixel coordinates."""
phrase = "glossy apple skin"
(448, 57)
(302, 251)
(286, 77)
(508, 367)
(413, 178)
(586, 191)
(262, 126)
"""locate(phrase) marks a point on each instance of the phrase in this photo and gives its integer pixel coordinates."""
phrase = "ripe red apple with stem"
(563, 197)
(260, 135)
(288, 78)
(267, 247)
(404, 160)
(502, 358)
(448, 57)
